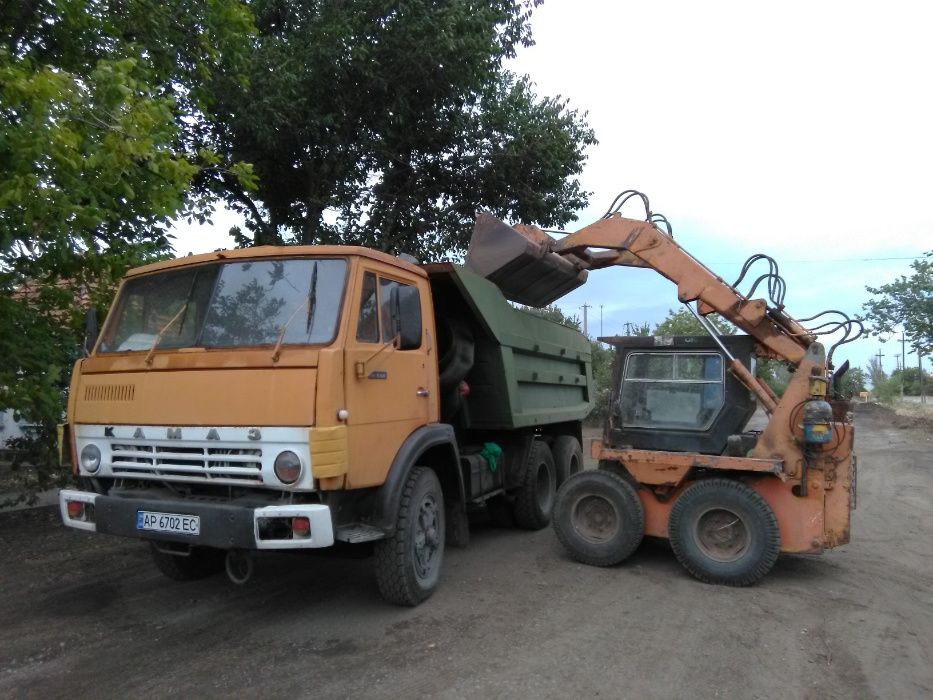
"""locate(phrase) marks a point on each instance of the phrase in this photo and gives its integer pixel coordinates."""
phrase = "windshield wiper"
(311, 302)
(155, 343)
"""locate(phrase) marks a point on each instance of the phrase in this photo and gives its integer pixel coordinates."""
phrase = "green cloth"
(491, 453)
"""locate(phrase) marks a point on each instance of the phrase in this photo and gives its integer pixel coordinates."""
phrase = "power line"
(826, 260)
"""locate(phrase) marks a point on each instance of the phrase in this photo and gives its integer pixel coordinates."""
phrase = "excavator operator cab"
(675, 393)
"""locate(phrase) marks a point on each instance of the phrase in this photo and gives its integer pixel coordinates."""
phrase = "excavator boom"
(792, 482)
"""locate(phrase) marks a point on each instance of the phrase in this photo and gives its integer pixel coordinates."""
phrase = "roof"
(270, 251)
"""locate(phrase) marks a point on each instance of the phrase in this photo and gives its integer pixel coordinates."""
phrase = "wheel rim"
(721, 534)
(427, 538)
(595, 519)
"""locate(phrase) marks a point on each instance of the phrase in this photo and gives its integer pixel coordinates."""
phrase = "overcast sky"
(798, 129)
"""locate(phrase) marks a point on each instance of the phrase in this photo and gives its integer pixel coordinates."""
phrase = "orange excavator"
(677, 459)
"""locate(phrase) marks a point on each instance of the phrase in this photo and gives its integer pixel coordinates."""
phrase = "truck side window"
(671, 390)
(385, 308)
(367, 329)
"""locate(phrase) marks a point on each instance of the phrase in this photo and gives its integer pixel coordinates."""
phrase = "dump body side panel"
(526, 371)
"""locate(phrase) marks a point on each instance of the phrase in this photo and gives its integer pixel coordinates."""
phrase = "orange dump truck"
(298, 398)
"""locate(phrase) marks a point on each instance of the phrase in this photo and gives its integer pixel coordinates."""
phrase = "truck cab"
(284, 399)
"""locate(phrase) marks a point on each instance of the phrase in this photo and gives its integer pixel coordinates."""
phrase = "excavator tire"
(599, 518)
(724, 532)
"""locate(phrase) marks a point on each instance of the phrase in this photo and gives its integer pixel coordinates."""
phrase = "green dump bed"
(521, 370)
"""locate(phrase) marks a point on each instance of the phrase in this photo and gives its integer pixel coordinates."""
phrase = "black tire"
(456, 348)
(200, 562)
(408, 562)
(568, 457)
(599, 518)
(614, 467)
(534, 499)
(723, 532)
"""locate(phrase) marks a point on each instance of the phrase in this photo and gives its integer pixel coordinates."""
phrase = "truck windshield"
(234, 304)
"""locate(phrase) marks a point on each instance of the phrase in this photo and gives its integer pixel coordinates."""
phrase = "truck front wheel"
(534, 500)
(723, 532)
(408, 562)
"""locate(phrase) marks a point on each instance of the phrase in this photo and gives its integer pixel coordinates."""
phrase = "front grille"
(180, 461)
(109, 392)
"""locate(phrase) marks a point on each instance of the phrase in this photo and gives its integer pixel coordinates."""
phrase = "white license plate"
(168, 522)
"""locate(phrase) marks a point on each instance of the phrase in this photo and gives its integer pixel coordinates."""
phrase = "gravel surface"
(88, 615)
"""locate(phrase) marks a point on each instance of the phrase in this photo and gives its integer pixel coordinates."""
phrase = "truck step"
(358, 532)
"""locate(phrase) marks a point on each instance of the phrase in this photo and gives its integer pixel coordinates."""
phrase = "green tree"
(910, 378)
(389, 124)
(102, 105)
(103, 108)
(682, 322)
(854, 381)
(906, 303)
(883, 387)
(775, 373)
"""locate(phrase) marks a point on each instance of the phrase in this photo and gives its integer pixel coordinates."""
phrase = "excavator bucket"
(519, 261)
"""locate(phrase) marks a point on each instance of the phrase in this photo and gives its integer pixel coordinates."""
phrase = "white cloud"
(800, 129)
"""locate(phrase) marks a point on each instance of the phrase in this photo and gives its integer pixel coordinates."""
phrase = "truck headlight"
(287, 467)
(90, 458)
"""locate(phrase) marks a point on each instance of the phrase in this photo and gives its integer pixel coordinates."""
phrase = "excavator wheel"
(723, 532)
(599, 518)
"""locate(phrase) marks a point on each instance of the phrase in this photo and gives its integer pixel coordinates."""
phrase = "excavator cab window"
(671, 390)
(674, 393)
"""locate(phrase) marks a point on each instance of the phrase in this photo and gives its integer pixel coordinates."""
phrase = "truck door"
(390, 392)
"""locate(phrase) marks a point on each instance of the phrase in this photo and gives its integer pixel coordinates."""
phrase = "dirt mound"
(887, 415)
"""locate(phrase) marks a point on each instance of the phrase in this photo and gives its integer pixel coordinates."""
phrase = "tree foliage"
(100, 115)
(853, 382)
(906, 303)
(883, 387)
(682, 322)
(103, 106)
(389, 124)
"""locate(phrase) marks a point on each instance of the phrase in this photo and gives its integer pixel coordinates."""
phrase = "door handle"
(422, 392)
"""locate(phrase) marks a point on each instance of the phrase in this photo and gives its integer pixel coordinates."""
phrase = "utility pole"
(585, 307)
(903, 364)
(920, 374)
(600, 320)
(880, 371)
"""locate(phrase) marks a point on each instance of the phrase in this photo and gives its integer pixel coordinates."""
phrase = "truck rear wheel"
(199, 562)
(599, 518)
(534, 500)
(723, 532)
(568, 457)
(408, 562)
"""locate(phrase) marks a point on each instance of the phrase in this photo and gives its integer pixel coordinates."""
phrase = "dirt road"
(84, 615)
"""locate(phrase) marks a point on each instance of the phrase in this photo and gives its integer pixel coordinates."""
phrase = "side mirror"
(406, 316)
(91, 330)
